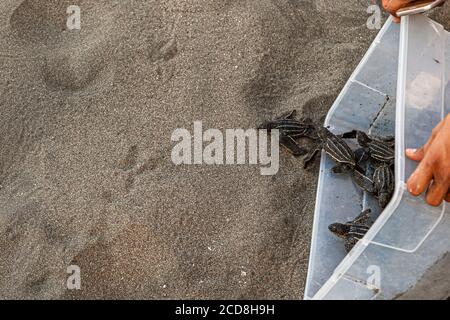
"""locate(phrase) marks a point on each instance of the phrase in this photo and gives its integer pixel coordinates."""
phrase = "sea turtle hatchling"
(291, 129)
(335, 147)
(380, 149)
(352, 231)
(383, 180)
(340, 152)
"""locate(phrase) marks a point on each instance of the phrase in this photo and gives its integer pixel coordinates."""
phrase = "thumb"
(415, 154)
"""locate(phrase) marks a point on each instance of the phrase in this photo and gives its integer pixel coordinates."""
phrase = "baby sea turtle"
(339, 151)
(352, 231)
(383, 179)
(335, 147)
(290, 129)
(380, 149)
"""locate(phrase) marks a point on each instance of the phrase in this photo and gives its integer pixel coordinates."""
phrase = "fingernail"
(410, 188)
(411, 150)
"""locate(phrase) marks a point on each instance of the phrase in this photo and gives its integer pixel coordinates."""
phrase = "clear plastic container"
(409, 238)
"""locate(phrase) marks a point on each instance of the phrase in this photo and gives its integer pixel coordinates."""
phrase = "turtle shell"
(381, 151)
(383, 179)
(338, 149)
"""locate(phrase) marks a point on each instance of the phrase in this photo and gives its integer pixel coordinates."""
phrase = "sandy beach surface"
(86, 118)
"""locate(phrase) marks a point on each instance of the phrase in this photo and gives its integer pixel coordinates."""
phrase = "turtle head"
(362, 138)
(323, 133)
(339, 229)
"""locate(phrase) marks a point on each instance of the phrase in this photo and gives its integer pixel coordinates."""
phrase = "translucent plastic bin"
(409, 240)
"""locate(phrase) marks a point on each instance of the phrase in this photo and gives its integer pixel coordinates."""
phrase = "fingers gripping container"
(400, 87)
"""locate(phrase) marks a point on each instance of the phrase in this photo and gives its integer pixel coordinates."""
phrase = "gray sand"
(85, 124)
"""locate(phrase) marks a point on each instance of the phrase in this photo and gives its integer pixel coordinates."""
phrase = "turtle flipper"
(362, 181)
(350, 243)
(349, 135)
(292, 146)
(363, 217)
(361, 155)
(309, 156)
(361, 136)
(287, 115)
(268, 124)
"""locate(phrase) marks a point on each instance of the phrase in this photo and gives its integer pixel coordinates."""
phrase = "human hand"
(433, 171)
(392, 6)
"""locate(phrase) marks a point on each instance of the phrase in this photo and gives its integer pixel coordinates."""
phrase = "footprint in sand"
(132, 168)
(74, 60)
